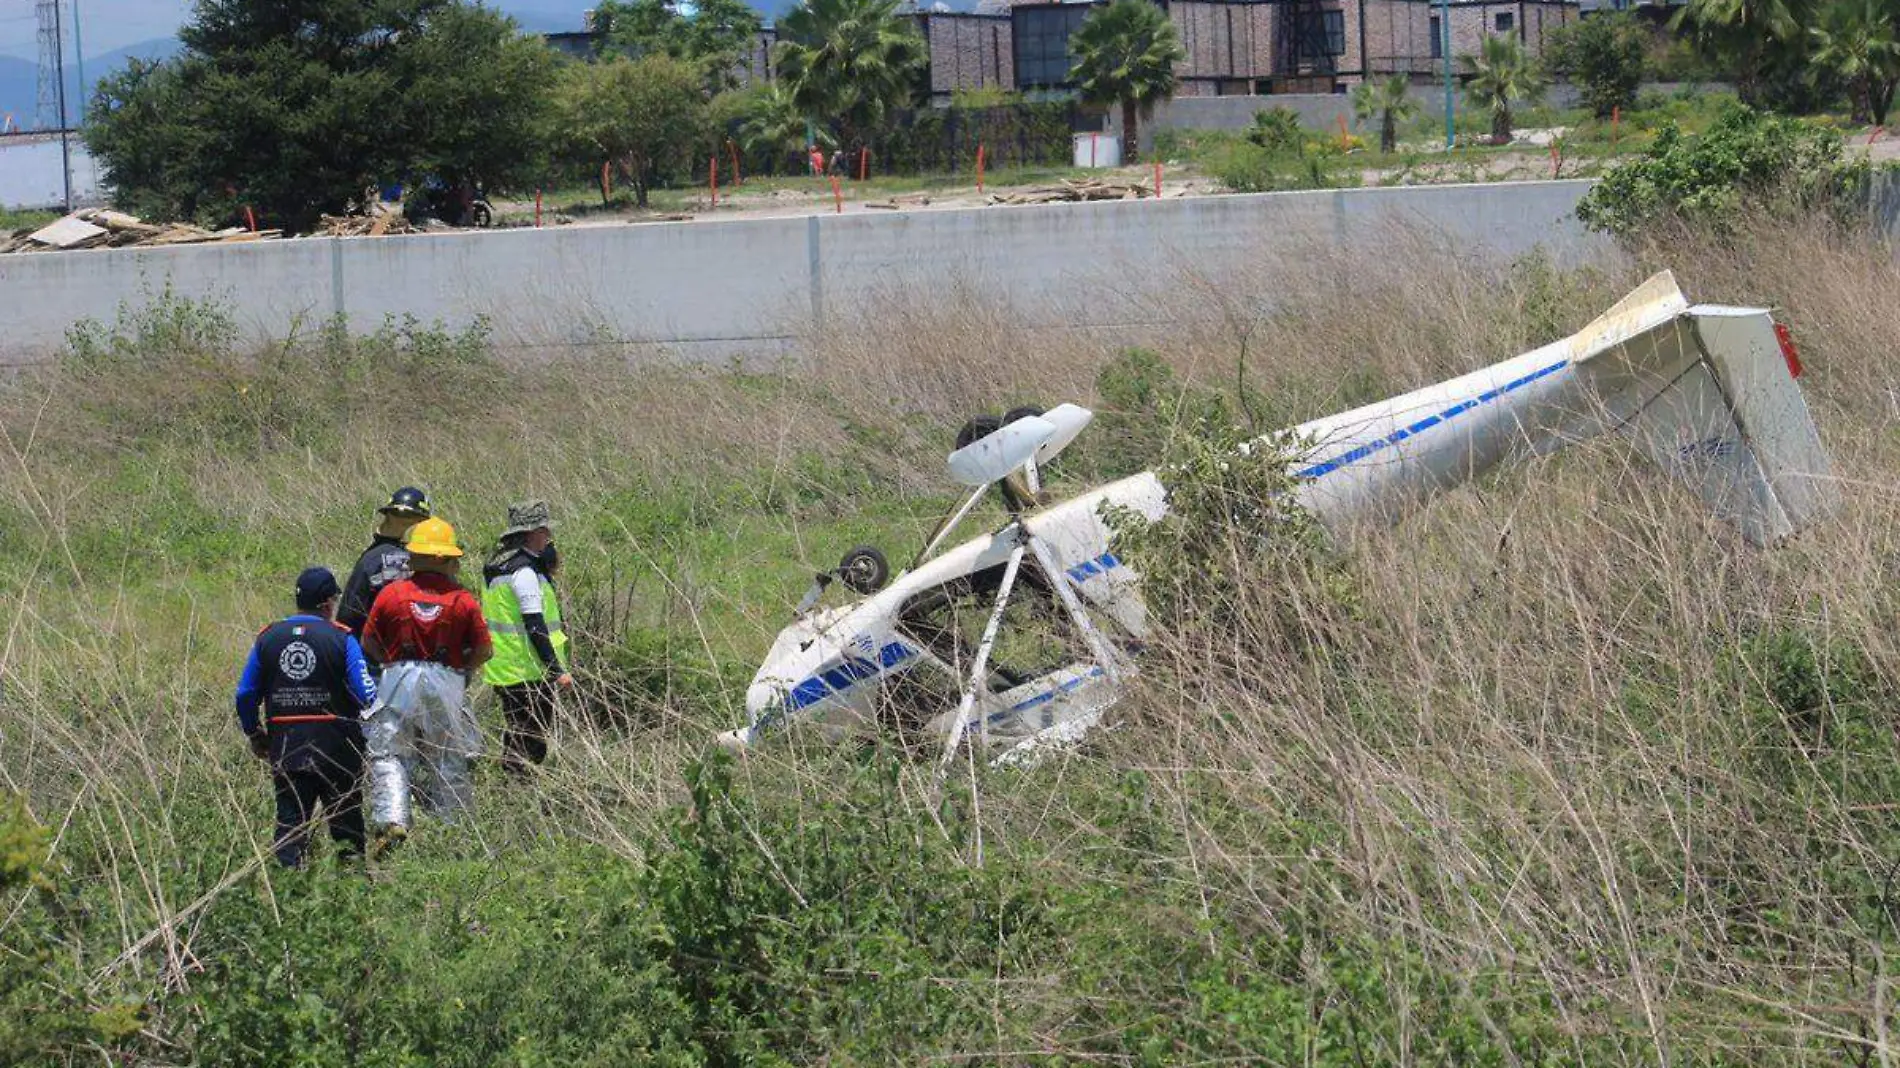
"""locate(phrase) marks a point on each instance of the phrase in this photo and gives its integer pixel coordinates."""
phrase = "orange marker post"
(537, 209)
(1874, 133)
(979, 169)
(864, 164)
(250, 217)
(837, 192)
(1556, 157)
(713, 177)
(1342, 133)
(1157, 179)
(606, 181)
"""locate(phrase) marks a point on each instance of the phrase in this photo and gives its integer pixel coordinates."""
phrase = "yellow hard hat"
(433, 537)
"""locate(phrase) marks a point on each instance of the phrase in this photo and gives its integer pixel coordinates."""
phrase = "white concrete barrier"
(715, 289)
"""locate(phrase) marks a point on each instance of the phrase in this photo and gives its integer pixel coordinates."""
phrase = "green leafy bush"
(175, 368)
(1231, 521)
(439, 963)
(1276, 153)
(1746, 158)
(1277, 130)
(1605, 56)
(861, 935)
(44, 1014)
(1248, 168)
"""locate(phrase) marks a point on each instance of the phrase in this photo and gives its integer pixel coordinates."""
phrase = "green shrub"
(1230, 521)
(1277, 130)
(174, 368)
(1134, 390)
(44, 1012)
(1746, 158)
(438, 963)
(859, 932)
(1247, 168)
(1605, 56)
(1318, 997)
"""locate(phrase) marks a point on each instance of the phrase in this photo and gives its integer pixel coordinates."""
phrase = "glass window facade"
(1041, 43)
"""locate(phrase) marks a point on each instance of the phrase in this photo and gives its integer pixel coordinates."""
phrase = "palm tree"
(1856, 38)
(1388, 101)
(849, 63)
(774, 127)
(1501, 75)
(1125, 54)
(1747, 29)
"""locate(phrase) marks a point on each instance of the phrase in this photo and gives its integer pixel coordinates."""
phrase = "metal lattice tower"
(46, 114)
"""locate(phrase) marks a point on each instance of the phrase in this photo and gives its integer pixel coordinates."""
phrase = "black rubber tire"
(1024, 412)
(864, 570)
(481, 214)
(978, 428)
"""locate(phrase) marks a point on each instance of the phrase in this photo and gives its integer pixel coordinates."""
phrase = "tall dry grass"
(1534, 734)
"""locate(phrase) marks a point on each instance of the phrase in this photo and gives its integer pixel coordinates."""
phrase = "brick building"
(1234, 47)
(968, 51)
(1239, 47)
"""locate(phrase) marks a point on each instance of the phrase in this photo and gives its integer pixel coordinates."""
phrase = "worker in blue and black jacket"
(307, 676)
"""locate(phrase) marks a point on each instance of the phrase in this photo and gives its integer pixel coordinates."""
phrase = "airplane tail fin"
(1710, 395)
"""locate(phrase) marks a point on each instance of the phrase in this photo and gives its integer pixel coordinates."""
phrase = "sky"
(107, 25)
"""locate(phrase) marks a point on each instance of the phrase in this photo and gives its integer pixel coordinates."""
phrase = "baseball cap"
(315, 585)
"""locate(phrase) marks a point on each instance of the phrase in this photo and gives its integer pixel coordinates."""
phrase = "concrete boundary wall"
(715, 290)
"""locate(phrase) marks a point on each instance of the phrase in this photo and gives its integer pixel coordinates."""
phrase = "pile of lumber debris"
(898, 203)
(105, 228)
(1070, 191)
(387, 222)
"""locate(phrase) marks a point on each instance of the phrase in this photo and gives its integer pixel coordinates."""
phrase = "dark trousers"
(527, 709)
(315, 775)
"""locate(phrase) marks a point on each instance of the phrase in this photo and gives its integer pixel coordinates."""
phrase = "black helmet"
(408, 501)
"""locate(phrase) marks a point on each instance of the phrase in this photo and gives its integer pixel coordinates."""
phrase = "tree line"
(1789, 56)
(284, 110)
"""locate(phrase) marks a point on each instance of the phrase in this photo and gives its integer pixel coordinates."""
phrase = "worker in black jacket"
(385, 560)
(307, 675)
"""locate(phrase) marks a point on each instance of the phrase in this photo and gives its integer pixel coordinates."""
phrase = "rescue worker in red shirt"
(430, 634)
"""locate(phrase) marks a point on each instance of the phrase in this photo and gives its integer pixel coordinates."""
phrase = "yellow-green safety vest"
(515, 660)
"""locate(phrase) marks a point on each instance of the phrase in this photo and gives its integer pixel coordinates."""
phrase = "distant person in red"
(430, 633)
(817, 157)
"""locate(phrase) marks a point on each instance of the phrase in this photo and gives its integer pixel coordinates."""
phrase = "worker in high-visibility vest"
(529, 668)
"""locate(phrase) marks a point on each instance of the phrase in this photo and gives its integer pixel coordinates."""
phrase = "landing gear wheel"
(480, 214)
(864, 570)
(978, 428)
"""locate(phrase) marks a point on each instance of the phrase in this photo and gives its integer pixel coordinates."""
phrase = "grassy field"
(11, 220)
(1555, 772)
(1585, 147)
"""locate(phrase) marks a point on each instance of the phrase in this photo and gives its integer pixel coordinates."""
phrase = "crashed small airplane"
(1021, 638)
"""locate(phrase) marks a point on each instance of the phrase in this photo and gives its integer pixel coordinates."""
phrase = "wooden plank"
(69, 232)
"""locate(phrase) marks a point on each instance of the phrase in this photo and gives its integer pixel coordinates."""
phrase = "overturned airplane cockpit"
(1021, 638)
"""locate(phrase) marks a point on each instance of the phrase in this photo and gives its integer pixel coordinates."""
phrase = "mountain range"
(20, 79)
